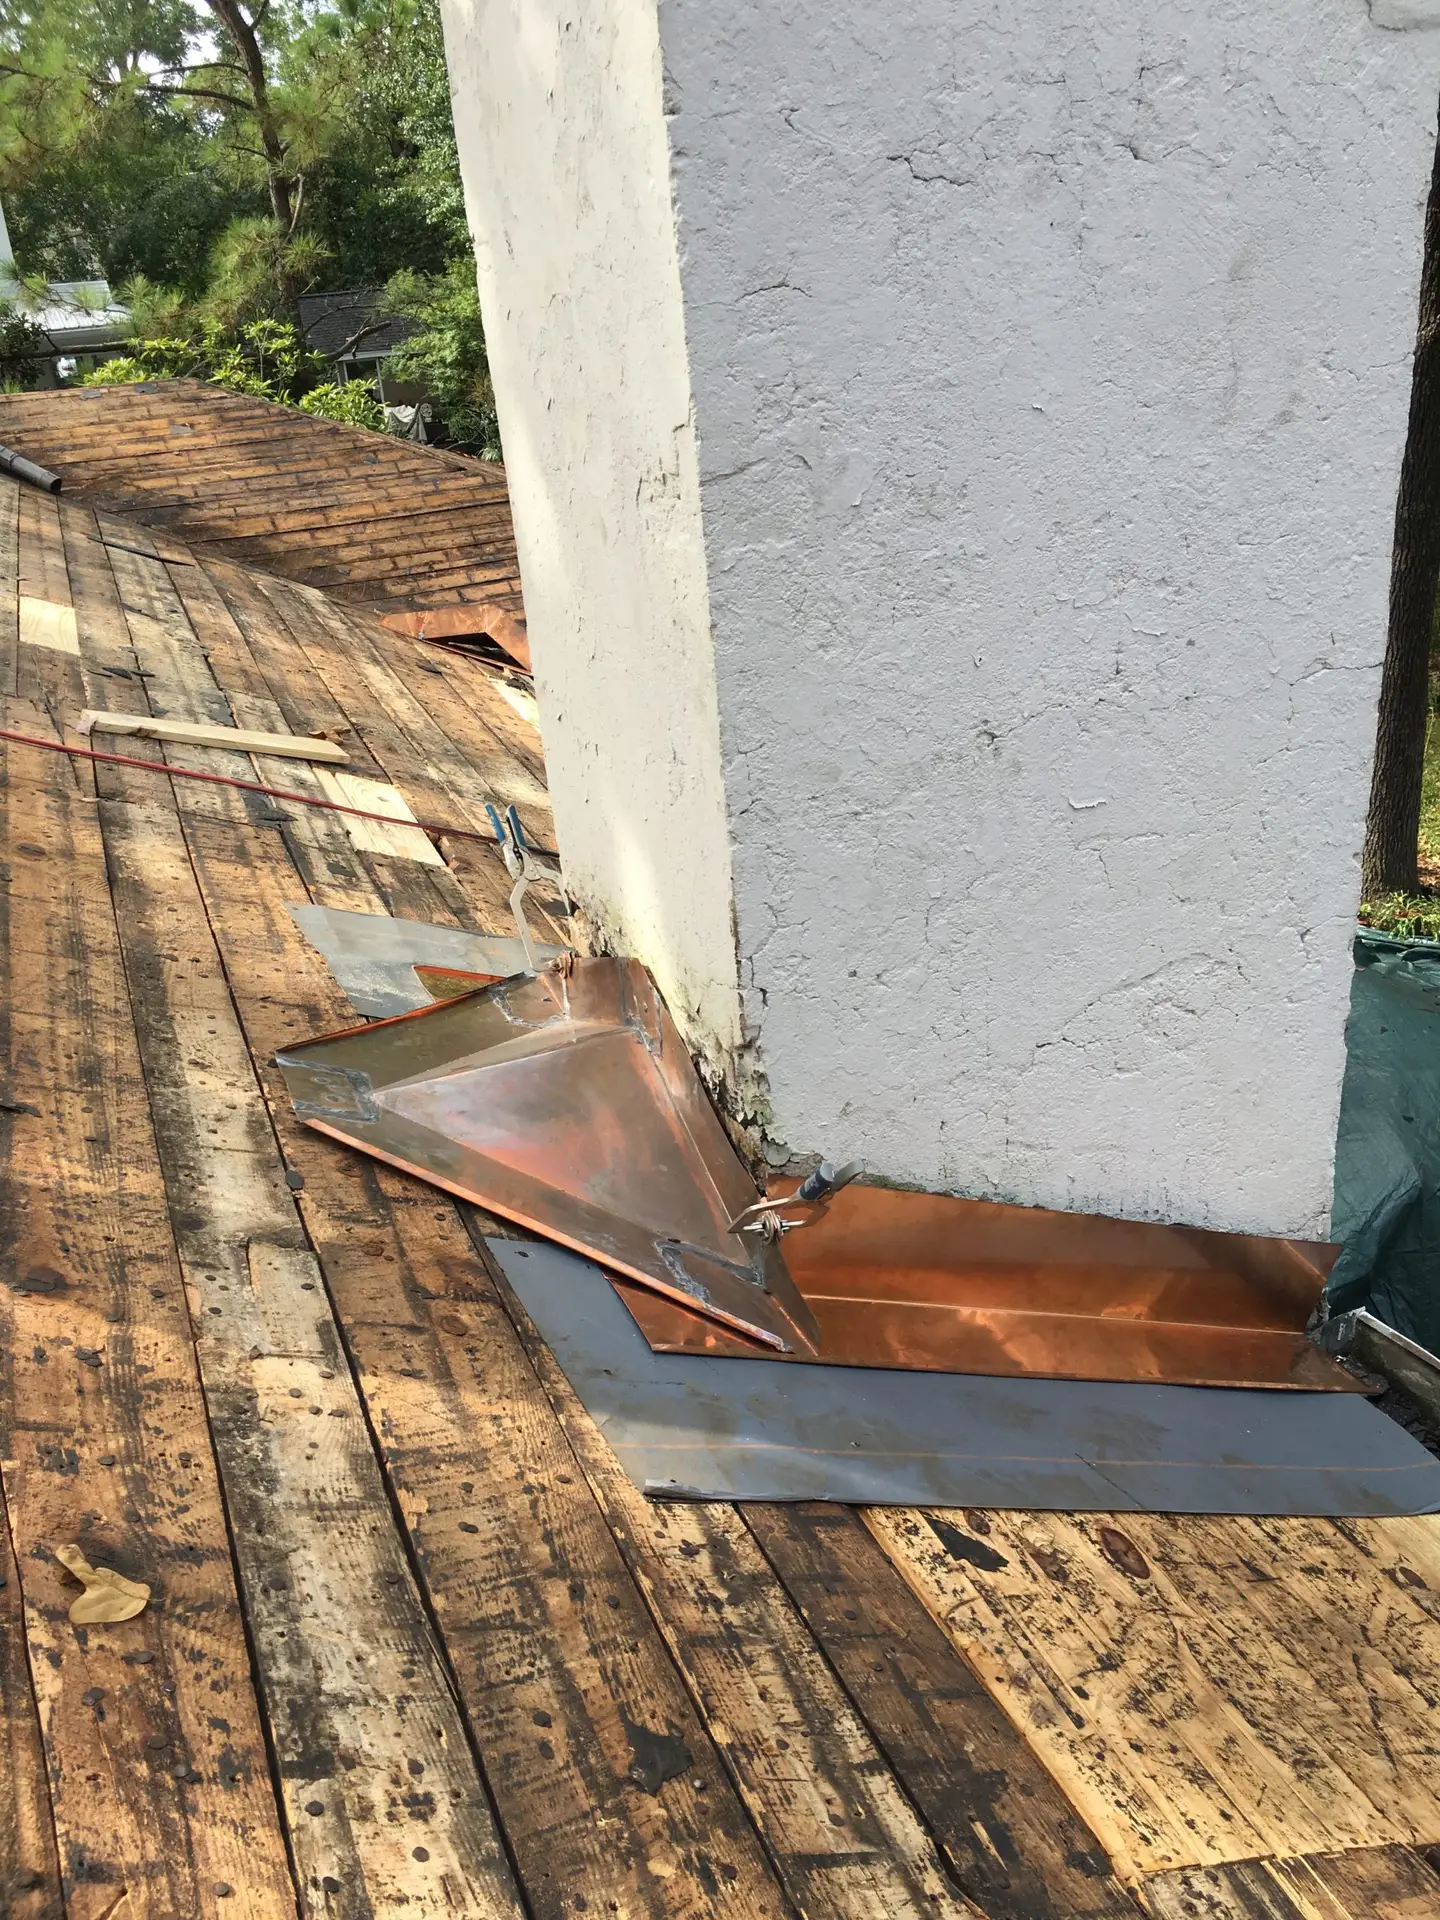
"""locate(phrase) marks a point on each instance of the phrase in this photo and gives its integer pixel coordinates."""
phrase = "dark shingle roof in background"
(330, 321)
(368, 518)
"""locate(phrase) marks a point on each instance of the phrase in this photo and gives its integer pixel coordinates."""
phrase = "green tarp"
(1387, 1154)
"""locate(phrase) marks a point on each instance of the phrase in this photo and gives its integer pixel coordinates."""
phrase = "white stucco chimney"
(953, 454)
(8, 277)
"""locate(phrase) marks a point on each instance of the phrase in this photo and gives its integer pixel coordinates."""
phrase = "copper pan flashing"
(448, 983)
(931, 1283)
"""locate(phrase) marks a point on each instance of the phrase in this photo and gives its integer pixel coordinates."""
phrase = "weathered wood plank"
(107, 654)
(1016, 1847)
(288, 492)
(42, 573)
(288, 677)
(1404, 1551)
(1263, 1594)
(1381, 1883)
(231, 634)
(169, 655)
(382, 1796)
(1244, 1890)
(251, 630)
(459, 767)
(1145, 1661)
(844, 1839)
(157, 1765)
(565, 1682)
(48, 672)
(9, 585)
(29, 1865)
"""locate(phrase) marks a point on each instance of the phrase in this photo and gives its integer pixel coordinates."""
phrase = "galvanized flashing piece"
(373, 957)
(691, 1428)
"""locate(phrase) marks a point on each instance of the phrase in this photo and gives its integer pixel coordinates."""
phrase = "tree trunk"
(1392, 830)
(246, 43)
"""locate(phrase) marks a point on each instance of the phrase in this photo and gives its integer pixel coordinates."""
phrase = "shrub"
(353, 403)
(263, 357)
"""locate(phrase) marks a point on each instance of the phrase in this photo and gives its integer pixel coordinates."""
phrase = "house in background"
(79, 318)
(349, 329)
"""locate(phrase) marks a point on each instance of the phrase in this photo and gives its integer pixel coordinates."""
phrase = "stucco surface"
(1050, 368)
(558, 116)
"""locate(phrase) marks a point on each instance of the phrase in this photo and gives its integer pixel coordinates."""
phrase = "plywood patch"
(375, 836)
(46, 623)
(1203, 1690)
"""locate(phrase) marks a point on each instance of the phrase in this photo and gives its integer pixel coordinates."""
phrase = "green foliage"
(129, 143)
(1430, 797)
(446, 352)
(135, 197)
(138, 141)
(385, 193)
(262, 357)
(1416, 916)
(156, 312)
(256, 273)
(351, 402)
(1408, 916)
(21, 344)
(102, 168)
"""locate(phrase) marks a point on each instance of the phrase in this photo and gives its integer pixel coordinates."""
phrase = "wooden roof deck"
(373, 520)
(416, 1645)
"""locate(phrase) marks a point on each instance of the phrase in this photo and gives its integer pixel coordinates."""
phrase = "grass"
(1408, 916)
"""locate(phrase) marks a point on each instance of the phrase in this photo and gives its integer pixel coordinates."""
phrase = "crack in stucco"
(935, 175)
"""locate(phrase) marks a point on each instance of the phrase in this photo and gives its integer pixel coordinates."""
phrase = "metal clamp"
(523, 868)
(814, 1194)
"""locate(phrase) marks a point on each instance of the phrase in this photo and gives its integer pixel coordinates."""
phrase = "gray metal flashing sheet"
(691, 1427)
(373, 957)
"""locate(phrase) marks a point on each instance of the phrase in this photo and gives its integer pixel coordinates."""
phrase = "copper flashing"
(936, 1284)
(467, 620)
(566, 1102)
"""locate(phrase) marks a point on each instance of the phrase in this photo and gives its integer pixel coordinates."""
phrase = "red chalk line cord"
(249, 786)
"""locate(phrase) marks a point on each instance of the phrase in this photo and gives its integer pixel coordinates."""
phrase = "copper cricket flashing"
(567, 1102)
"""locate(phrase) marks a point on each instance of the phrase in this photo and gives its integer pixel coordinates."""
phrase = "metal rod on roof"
(436, 827)
(23, 469)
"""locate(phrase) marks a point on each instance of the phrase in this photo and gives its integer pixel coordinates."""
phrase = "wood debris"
(193, 733)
